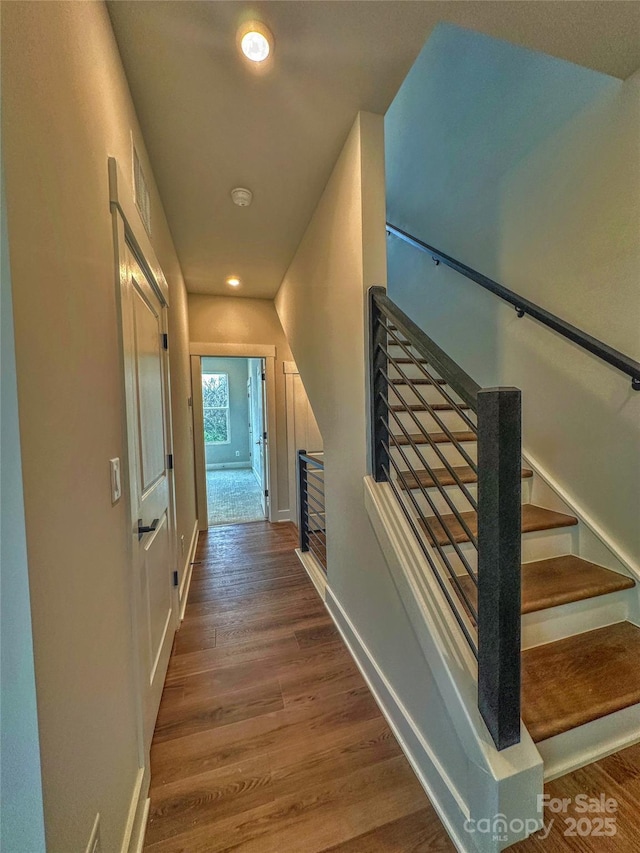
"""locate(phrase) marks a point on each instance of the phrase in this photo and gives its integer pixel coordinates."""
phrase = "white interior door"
(148, 425)
(257, 412)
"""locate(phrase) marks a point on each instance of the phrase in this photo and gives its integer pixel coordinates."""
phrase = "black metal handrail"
(311, 506)
(524, 307)
(431, 485)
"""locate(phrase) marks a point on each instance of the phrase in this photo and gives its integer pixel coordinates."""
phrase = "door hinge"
(170, 461)
(264, 376)
(264, 436)
(165, 340)
(266, 493)
(175, 578)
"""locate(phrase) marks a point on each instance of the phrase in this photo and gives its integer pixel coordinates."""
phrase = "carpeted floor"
(233, 496)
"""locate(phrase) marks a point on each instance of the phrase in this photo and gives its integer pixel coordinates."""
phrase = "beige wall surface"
(527, 169)
(66, 108)
(236, 320)
(341, 255)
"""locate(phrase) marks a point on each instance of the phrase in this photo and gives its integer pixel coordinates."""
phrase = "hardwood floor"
(267, 739)
(616, 777)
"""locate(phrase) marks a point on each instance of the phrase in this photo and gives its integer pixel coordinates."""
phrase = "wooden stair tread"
(437, 407)
(437, 437)
(419, 380)
(582, 678)
(464, 472)
(533, 518)
(559, 580)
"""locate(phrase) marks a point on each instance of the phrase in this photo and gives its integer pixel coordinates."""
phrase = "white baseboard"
(133, 838)
(446, 800)
(313, 569)
(220, 466)
(139, 846)
(187, 570)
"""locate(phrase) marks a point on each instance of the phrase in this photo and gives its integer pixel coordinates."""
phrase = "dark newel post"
(303, 508)
(499, 546)
(378, 388)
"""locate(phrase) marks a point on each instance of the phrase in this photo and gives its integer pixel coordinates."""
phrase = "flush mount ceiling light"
(255, 40)
(241, 196)
(233, 281)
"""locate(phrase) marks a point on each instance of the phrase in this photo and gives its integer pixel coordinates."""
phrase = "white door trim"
(233, 350)
(266, 351)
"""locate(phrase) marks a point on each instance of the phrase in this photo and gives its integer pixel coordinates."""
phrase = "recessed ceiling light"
(256, 41)
(233, 281)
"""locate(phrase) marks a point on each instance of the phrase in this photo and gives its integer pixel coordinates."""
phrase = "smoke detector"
(241, 196)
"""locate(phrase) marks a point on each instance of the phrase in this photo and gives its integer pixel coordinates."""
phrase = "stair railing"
(485, 603)
(311, 508)
(525, 307)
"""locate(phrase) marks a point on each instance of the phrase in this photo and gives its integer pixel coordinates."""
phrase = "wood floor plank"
(414, 833)
(182, 717)
(301, 731)
(311, 819)
(261, 779)
(308, 637)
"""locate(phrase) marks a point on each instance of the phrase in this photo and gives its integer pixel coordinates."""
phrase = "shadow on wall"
(525, 167)
(471, 109)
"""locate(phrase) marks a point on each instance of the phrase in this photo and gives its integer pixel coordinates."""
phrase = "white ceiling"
(211, 123)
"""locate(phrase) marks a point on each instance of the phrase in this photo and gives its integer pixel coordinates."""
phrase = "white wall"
(66, 108)
(22, 824)
(526, 168)
(237, 370)
(341, 255)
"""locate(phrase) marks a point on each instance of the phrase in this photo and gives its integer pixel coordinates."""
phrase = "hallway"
(267, 739)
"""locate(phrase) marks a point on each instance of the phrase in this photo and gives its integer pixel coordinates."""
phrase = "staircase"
(568, 682)
(579, 645)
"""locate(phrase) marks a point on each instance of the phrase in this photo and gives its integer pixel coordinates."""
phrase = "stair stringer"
(594, 543)
(502, 787)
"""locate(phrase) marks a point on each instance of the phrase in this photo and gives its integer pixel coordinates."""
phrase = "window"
(215, 401)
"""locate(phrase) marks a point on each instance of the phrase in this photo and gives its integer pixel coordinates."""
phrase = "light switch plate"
(116, 483)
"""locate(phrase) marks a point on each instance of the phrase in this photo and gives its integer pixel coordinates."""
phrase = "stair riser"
(456, 496)
(540, 545)
(452, 421)
(428, 454)
(556, 623)
(584, 745)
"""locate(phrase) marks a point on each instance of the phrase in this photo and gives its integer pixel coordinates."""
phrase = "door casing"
(266, 351)
(129, 235)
